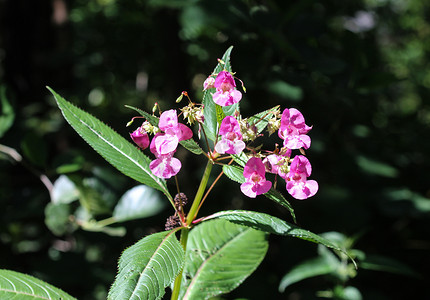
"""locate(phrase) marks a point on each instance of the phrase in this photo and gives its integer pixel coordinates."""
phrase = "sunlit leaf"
(220, 256)
(64, 190)
(271, 224)
(139, 202)
(14, 285)
(115, 149)
(148, 267)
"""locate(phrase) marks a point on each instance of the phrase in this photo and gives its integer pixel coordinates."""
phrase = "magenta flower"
(209, 83)
(256, 183)
(231, 141)
(293, 129)
(174, 132)
(165, 165)
(140, 137)
(297, 184)
(277, 163)
(226, 93)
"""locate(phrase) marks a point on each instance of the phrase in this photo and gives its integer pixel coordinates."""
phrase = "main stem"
(190, 218)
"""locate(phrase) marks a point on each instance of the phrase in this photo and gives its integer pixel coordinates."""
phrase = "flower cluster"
(232, 134)
(164, 144)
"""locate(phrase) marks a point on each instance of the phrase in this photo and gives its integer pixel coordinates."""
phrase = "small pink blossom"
(165, 165)
(209, 83)
(297, 184)
(277, 163)
(140, 137)
(293, 129)
(256, 183)
(231, 141)
(174, 132)
(226, 93)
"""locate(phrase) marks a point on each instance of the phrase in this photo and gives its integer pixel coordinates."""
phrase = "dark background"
(358, 70)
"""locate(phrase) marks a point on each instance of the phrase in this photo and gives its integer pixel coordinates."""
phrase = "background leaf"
(7, 114)
(139, 202)
(14, 285)
(220, 256)
(115, 149)
(148, 267)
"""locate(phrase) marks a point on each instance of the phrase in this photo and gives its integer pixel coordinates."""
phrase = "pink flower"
(297, 184)
(140, 137)
(277, 163)
(226, 93)
(293, 129)
(174, 132)
(209, 83)
(231, 141)
(256, 183)
(165, 165)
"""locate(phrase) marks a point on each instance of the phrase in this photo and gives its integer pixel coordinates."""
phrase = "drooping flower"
(165, 165)
(256, 183)
(293, 129)
(174, 132)
(226, 93)
(140, 137)
(297, 184)
(231, 141)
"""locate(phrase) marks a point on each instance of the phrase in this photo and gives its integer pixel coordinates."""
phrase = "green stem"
(177, 285)
(195, 206)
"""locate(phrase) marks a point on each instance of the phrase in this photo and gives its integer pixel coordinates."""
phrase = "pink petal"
(248, 189)
(236, 95)
(140, 137)
(302, 190)
(263, 187)
(166, 143)
(301, 165)
(168, 119)
(222, 98)
(184, 132)
(224, 80)
(165, 167)
(222, 146)
(229, 124)
(254, 164)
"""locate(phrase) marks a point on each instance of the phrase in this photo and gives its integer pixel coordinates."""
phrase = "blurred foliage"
(358, 70)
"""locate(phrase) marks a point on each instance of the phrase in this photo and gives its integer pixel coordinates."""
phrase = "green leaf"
(148, 267)
(235, 173)
(220, 256)
(14, 285)
(271, 224)
(220, 115)
(192, 146)
(7, 114)
(64, 190)
(139, 202)
(261, 119)
(210, 111)
(57, 217)
(127, 158)
(150, 118)
(306, 269)
(386, 264)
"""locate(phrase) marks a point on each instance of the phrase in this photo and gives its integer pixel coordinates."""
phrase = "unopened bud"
(179, 98)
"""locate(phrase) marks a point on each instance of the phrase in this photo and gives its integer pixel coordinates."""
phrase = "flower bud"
(140, 137)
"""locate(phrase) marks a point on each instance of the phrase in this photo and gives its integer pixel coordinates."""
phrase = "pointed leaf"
(210, 111)
(14, 285)
(139, 202)
(220, 256)
(150, 118)
(271, 224)
(148, 267)
(192, 146)
(115, 149)
(235, 173)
